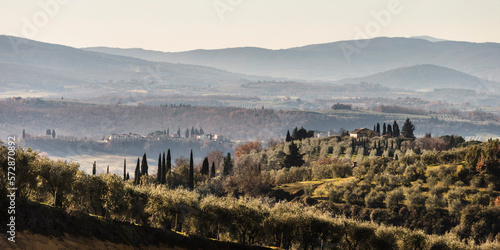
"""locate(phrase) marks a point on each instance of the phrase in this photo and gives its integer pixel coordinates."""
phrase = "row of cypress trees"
(388, 129)
(165, 166)
(406, 131)
(206, 170)
(141, 169)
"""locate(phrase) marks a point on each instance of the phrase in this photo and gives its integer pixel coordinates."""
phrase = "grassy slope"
(319, 188)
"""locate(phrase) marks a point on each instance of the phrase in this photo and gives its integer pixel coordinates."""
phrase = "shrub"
(341, 170)
(414, 197)
(375, 199)
(412, 240)
(394, 198)
(335, 195)
(479, 223)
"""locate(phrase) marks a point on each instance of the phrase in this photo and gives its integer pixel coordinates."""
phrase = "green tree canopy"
(294, 158)
(407, 130)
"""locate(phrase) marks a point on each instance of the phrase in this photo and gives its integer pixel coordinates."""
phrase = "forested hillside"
(97, 120)
(431, 184)
(431, 193)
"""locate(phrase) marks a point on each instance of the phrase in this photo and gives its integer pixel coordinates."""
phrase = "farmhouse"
(363, 132)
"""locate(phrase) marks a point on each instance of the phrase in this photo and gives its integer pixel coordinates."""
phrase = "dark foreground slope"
(43, 227)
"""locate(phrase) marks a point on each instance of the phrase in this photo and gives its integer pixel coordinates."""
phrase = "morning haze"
(250, 124)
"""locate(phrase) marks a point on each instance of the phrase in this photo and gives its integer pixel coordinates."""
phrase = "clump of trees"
(299, 134)
(247, 148)
(340, 106)
(392, 131)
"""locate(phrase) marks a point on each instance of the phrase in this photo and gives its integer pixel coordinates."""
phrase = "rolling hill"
(427, 77)
(28, 66)
(331, 61)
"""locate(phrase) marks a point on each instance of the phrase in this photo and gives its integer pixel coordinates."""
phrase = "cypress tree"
(124, 169)
(128, 177)
(107, 170)
(53, 134)
(389, 130)
(288, 137)
(191, 172)
(378, 128)
(179, 132)
(205, 167)
(192, 131)
(212, 170)
(295, 134)
(144, 165)
(94, 168)
(24, 134)
(228, 165)
(187, 133)
(395, 129)
(163, 170)
(384, 129)
(201, 131)
(168, 132)
(137, 176)
(159, 172)
(169, 161)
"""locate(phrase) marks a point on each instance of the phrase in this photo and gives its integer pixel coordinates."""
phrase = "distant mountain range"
(34, 64)
(338, 60)
(402, 63)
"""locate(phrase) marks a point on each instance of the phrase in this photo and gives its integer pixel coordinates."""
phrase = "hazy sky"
(178, 25)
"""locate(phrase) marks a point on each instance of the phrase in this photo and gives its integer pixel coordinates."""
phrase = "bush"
(414, 198)
(412, 241)
(479, 223)
(394, 198)
(341, 170)
(308, 190)
(375, 199)
(335, 194)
